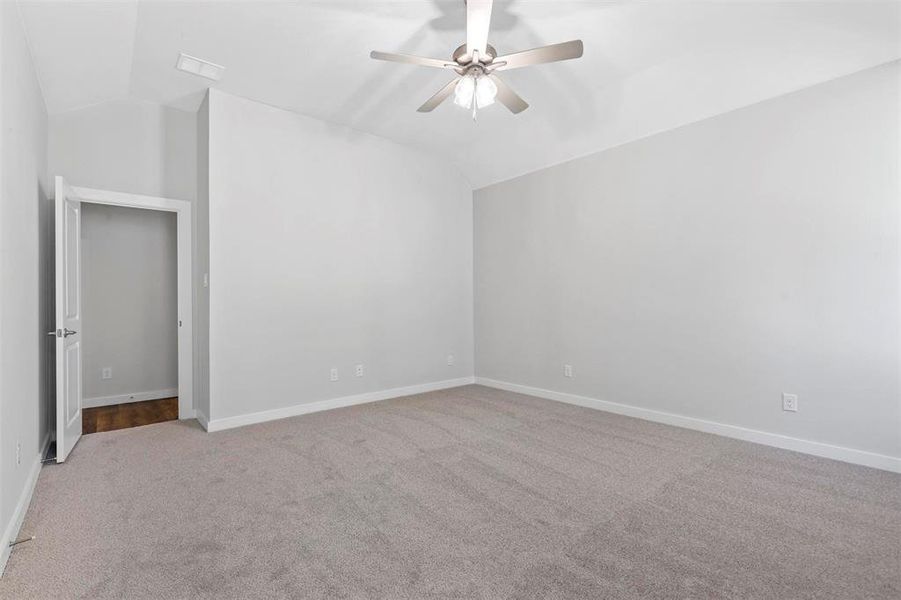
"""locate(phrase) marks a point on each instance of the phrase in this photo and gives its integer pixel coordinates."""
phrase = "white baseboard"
(18, 516)
(126, 398)
(310, 407)
(849, 455)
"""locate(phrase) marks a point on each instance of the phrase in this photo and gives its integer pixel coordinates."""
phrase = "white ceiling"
(648, 66)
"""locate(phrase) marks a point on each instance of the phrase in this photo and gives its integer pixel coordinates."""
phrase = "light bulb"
(464, 91)
(486, 91)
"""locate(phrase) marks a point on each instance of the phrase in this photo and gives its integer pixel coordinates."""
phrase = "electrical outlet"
(334, 374)
(567, 370)
(358, 371)
(106, 373)
(790, 402)
(18, 453)
(450, 360)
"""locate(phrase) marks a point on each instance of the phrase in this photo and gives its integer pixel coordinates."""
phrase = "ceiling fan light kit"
(475, 62)
(476, 89)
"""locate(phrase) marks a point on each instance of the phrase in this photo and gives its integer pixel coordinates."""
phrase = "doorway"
(75, 360)
(129, 294)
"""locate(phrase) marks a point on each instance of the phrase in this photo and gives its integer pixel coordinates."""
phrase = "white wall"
(328, 248)
(130, 299)
(126, 145)
(706, 270)
(201, 255)
(24, 399)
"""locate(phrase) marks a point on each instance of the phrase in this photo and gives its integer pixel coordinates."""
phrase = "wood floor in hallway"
(132, 414)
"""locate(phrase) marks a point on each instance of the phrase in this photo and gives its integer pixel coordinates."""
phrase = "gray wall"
(139, 147)
(329, 248)
(201, 255)
(130, 300)
(706, 270)
(24, 315)
(126, 145)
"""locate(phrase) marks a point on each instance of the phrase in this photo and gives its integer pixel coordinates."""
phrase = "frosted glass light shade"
(480, 88)
(464, 91)
(486, 91)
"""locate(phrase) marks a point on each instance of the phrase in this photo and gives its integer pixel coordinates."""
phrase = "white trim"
(183, 210)
(849, 455)
(126, 398)
(18, 516)
(310, 407)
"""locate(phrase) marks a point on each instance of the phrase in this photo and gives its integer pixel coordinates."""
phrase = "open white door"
(68, 320)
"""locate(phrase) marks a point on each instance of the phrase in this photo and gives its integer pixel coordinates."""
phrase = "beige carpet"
(466, 493)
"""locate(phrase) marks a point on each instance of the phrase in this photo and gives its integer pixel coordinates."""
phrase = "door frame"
(185, 235)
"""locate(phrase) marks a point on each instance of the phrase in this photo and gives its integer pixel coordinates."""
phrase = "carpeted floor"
(465, 493)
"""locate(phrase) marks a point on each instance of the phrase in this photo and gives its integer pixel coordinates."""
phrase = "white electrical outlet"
(333, 375)
(18, 453)
(450, 360)
(358, 371)
(106, 373)
(790, 402)
(567, 370)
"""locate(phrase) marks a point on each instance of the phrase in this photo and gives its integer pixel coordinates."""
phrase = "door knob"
(62, 332)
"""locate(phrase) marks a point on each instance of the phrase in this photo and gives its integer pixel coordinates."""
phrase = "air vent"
(197, 66)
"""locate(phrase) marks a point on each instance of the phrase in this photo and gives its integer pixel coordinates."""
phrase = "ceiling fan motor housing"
(462, 58)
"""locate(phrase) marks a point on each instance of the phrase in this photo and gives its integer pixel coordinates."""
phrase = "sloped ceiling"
(648, 66)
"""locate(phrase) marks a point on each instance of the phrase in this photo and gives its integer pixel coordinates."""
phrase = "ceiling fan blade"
(537, 56)
(508, 97)
(411, 59)
(478, 20)
(433, 102)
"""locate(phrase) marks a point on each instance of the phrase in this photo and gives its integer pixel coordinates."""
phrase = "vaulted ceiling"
(648, 66)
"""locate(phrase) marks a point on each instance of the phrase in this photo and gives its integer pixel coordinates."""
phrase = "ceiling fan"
(475, 62)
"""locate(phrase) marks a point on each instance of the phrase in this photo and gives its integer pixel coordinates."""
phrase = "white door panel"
(68, 320)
